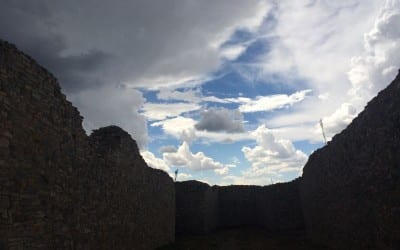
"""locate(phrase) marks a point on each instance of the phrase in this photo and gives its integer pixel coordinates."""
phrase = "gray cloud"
(95, 45)
(168, 149)
(221, 119)
(141, 42)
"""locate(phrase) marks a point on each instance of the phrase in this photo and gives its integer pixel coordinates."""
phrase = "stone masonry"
(60, 189)
(350, 189)
(196, 208)
(276, 207)
(202, 209)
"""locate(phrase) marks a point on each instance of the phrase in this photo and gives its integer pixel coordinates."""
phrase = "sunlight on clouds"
(268, 103)
(336, 122)
(377, 67)
(271, 159)
(179, 127)
(154, 162)
(272, 153)
(183, 157)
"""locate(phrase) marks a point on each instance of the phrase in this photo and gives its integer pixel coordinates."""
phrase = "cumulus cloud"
(159, 163)
(377, 67)
(183, 128)
(154, 162)
(329, 48)
(179, 127)
(183, 157)
(272, 157)
(373, 70)
(221, 119)
(337, 121)
(161, 111)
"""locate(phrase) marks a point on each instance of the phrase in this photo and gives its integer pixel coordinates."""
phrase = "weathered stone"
(276, 207)
(350, 188)
(201, 208)
(196, 208)
(60, 189)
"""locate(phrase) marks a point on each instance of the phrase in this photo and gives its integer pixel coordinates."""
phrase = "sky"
(225, 91)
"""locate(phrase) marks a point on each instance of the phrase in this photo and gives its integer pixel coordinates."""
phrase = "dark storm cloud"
(221, 119)
(29, 25)
(92, 46)
(91, 43)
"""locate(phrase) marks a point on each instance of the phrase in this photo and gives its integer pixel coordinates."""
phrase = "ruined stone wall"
(351, 188)
(61, 190)
(276, 207)
(196, 208)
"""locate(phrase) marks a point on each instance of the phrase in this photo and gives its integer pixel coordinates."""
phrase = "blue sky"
(228, 91)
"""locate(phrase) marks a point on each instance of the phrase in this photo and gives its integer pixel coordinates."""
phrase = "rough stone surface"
(196, 208)
(60, 189)
(275, 207)
(201, 208)
(351, 188)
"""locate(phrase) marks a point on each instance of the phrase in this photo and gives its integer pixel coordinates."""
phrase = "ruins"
(62, 189)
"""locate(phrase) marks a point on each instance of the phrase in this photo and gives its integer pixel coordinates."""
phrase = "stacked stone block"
(196, 208)
(351, 188)
(60, 189)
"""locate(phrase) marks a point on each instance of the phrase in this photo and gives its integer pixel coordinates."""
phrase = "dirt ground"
(244, 238)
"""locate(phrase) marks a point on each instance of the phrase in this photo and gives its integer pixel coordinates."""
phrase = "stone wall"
(196, 208)
(201, 208)
(60, 189)
(275, 207)
(351, 188)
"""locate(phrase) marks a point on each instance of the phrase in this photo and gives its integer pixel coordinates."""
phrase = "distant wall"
(196, 208)
(60, 189)
(351, 188)
(276, 207)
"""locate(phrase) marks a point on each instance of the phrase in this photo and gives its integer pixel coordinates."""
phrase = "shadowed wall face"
(276, 207)
(201, 208)
(350, 189)
(60, 189)
(196, 208)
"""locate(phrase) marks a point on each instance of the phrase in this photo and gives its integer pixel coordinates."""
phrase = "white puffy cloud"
(183, 157)
(272, 157)
(315, 42)
(183, 128)
(159, 163)
(378, 65)
(154, 162)
(373, 70)
(179, 127)
(161, 111)
(337, 121)
(221, 119)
